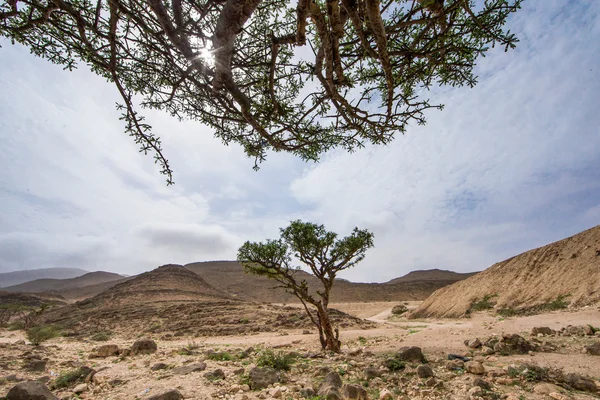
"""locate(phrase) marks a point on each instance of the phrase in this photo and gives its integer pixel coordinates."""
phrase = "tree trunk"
(332, 342)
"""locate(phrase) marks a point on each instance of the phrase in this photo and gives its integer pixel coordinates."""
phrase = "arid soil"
(370, 359)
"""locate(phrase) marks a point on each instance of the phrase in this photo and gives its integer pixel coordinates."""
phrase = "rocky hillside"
(229, 278)
(563, 273)
(59, 285)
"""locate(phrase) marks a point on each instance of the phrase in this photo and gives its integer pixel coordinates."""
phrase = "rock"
(544, 330)
(475, 391)
(35, 365)
(354, 353)
(275, 393)
(513, 344)
(588, 330)
(354, 392)
(126, 352)
(187, 369)
(475, 367)
(558, 396)
(506, 381)
(496, 372)
(106, 350)
(215, 375)
(13, 378)
(582, 383)
(412, 354)
(332, 379)
(593, 350)
(424, 371)
(144, 346)
(473, 343)
(330, 393)
(31, 390)
(385, 394)
(487, 351)
(546, 388)
(371, 372)
(261, 378)
(169, 395)
(158, 366)
(485, 385)
(82, 387)
(307, 392)
(455, 365)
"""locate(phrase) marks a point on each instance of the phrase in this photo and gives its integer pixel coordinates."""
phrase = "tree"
(322, 253)
(329, 73)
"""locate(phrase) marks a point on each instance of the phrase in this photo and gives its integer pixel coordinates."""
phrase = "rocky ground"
(548, 356)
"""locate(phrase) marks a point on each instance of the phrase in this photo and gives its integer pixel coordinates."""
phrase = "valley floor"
(133, 377)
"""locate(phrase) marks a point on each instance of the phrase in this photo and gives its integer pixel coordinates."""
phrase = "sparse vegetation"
(70, 378)
(219, 356)
(39, 334)
(486, 303)
(399, 309)
(101, 336)
(560, 303)
(393, 364)
(279, 361)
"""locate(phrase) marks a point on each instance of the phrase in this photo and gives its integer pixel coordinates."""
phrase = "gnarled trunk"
(329, 337)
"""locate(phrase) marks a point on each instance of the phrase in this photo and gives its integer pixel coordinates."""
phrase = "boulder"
(455, 365)
(261, 378)
(169, 395)
(332, 379)
(582, 383)
(485, 385)
(385, 394)
(31, 390)
(215, 375)
(593, 349)
(82, 387)
(144, 346)
(187, 369)
(371, 372)
(410, 354)
(106, 350)
(159, 366)
(473, 343)
(514, 344)
(354, 392)
(35, 365)
(543, 330)
(475, 367)
(424, 371)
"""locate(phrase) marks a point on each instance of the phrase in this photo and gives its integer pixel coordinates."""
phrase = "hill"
(432, 275)
(229, 277)
(564, 271)
(18, 277)
(59, 285)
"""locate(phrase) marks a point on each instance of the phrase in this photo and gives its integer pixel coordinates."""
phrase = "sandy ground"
(437, 338)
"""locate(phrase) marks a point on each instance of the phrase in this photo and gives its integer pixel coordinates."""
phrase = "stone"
(307, 392)
(217, 374)
(144, 346)
(82, 387)
(332, 379)
(506, 381)
(31, 390)
(487, 351)
(159, 366)
(330, 393)
(275, 392)
(475, 391)
(558, 396)
(546, 388)
(371, 372)
(543, 330)
(475, 367)
(473, 343)
(424, 371)
(35, 365)
(593, 349)
(385, 394)
(261, 378)
(354, 392)
(187, 369)
(496, 372)
(172, 394)
(513, 344)
(106, 350)
(455, 365)
(582, 383)
(13, 378)
(485, 385)
(410, 354)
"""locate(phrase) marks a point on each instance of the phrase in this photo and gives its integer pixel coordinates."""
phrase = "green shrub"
(486, 303)
(220, 356)
(558, 304)
(40, 334)
(279, 361)
(69, 378)
(399, 309)
(15, 326)
(101, 336)
(393, 364)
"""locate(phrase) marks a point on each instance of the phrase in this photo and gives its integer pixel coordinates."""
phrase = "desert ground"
(370, 365)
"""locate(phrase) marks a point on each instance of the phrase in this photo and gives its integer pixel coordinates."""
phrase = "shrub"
(393, 364)
(279, 361)
(69, 378)
(40, 334)
(486, 303)
(399, 309)
(220, 356)
(101, 336)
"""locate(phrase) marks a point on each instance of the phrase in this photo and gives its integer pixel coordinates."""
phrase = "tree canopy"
(318, 249)
(302, 78)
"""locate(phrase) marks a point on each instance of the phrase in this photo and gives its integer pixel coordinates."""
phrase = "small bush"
(486, 303)
(558, 304)
(393, 364)
(279, 361)
(15, 326)
(220, 356)
(69, 378)
(40, 334)
(399, 309)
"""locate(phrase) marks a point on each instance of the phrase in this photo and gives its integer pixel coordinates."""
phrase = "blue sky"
(507, 166)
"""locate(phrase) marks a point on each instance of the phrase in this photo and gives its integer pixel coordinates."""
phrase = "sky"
(507, 166)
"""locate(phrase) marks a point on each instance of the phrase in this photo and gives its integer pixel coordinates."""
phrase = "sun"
(207, 56)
